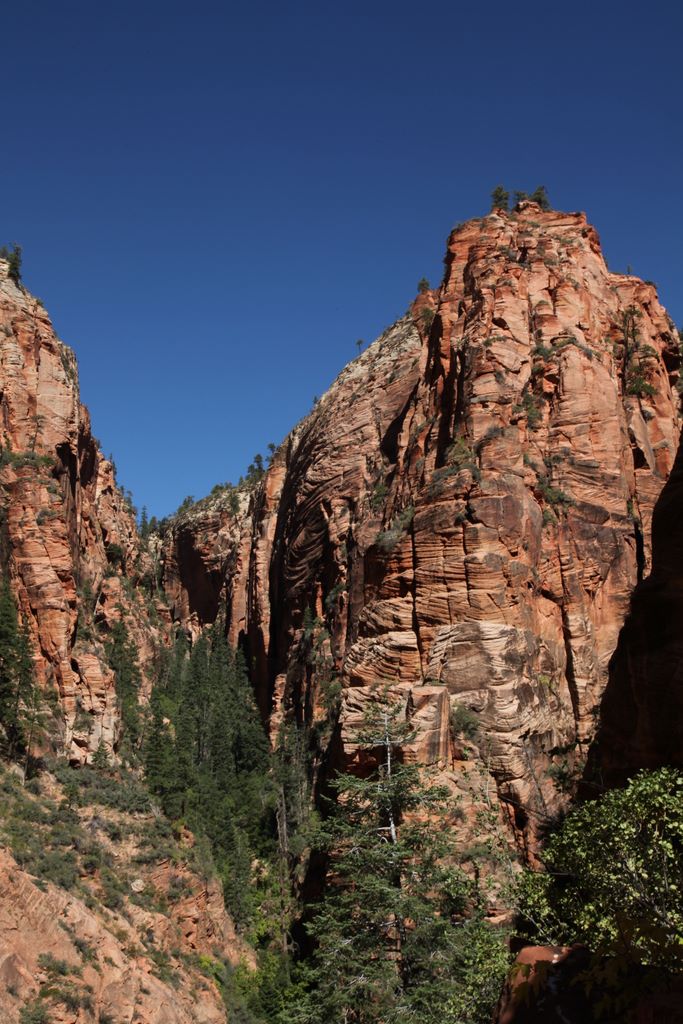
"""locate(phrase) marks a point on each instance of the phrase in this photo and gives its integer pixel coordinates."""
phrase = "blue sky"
(216, 200)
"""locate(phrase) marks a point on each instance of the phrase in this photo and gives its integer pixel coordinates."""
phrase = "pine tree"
(540, 196)
(158, 753)
(210, 764)
(13, 257)
(500, 198)
(396, 928)
(18, 695)
(144, 526)
(122, 655)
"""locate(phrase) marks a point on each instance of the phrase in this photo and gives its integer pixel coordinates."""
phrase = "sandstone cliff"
(464, 514)
(69, 537)
(462, 517)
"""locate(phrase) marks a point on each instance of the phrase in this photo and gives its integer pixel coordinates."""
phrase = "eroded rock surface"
(464, 514)
(67, 528)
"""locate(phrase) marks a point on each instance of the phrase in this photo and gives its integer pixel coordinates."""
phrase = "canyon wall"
(461, 519)
(641, 720)
(69, 539)
(464, 514)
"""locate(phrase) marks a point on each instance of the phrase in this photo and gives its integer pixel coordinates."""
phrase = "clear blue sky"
(217, 199)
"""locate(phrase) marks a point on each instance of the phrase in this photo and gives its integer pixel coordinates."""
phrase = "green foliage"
(87, 786)
(637, 357)
(638, 385)
(614, 876)
(464, 722)
(18, 695)
(122, 655)
(388, 539)
(115, 555)
(378, 496)
(40, 835)
(540, 196)
(532, 410)
(255, 471)
(500, 198)
(185, 505)
(458, 456)
(553, 495)
(34, 1012)
(21, 460)
(13, 257)
(427, 316)
(53, 966)
(207, 759)
(398, 925)
(423, 285)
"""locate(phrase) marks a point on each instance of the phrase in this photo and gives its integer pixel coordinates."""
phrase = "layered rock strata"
(464, 514)
(70, 543)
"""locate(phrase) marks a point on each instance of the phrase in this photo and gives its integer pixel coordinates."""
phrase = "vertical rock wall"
(69, 538)
(465, 513)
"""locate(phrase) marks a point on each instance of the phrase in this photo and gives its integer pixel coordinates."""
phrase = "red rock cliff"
(464, 514)
(62, 514)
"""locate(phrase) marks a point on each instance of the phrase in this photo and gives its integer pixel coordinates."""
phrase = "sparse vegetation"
(500, 198)
(387, 540)
(13, 256)
(378, 495)
(464, 722)
(637, 360)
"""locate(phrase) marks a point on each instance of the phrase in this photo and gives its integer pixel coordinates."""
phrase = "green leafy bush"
(614, 875)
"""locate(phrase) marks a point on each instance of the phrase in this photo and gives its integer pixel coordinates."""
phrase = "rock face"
(463, 516)
(641, 719)
(66, 524)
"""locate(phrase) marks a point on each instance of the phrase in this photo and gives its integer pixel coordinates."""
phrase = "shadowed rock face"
(62, 512)
(641, 713)
(464, 514)
(548, 984)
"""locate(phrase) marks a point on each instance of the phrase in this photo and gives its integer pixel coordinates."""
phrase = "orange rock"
(467, 508)
(63, 509)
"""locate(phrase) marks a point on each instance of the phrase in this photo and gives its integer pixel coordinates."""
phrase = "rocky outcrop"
(69, 535)
(464, 514)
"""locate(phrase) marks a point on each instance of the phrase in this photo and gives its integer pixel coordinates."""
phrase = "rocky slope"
(464, 514)
(69, 537)
(104, 915)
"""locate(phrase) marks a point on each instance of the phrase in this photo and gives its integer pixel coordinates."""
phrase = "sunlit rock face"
(464, 514)
(70, 544)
